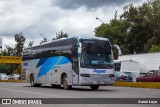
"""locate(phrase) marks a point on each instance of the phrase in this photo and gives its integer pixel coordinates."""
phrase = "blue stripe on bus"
(50, 63)
(79, 54)
(64, 60)
(42, 60)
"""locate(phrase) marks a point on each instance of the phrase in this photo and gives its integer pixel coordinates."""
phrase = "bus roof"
(92, 37)
(77, 37)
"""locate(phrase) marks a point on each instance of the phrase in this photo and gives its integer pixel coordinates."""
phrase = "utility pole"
(1, 46)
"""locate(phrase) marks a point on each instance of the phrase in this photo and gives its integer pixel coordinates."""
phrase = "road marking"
(43, 97)
(95, 105)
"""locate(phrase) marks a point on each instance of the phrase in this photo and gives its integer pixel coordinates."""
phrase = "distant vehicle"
(3, 76)
(147, 61)
(127, 66)
(151, 76)
(16, 76)
(124, 76)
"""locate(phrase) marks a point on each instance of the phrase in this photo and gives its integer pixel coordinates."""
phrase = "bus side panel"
(67, 69)
(51, 70)
(50, 76)
(54, 75)
(30, 68)
(75, 78)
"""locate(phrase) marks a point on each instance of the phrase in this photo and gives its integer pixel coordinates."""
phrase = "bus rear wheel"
(55, 86)
(32, 82)
(65, 83)
(94, 87)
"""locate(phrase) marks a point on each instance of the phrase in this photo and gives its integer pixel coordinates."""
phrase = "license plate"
(99, 82)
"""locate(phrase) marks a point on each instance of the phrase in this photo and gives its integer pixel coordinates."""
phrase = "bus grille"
(100, 76)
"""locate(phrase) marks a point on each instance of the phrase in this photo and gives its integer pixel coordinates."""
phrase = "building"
(147, 61)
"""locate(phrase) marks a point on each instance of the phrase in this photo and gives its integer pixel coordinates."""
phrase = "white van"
(127, 66)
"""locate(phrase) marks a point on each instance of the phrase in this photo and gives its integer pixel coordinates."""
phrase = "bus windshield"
(96, 54)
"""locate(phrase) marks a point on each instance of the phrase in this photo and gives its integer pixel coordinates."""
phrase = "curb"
(155, 85)
(17, 81)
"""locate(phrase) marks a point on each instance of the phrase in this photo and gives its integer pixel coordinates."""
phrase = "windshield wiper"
(103, 65)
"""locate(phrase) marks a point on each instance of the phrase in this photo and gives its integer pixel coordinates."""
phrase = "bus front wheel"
(94, 87)
(32, 82)
(65, 83)
(55, 86)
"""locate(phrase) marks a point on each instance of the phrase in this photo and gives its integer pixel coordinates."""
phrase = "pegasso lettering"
(99, 71)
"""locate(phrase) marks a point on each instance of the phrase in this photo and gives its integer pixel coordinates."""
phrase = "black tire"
(94, 87)
(55, 86)
(65, 83)
(138, 80)
(32, 82)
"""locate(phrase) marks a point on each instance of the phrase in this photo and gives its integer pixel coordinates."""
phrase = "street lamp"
(97, 18)
(43, 35)
(44, 39)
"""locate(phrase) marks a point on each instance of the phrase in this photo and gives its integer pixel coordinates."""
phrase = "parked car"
(16, 76)
(151, 76)
(124, 76)
(3, 76)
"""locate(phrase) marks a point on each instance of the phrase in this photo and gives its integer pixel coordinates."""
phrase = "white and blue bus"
(76, 61)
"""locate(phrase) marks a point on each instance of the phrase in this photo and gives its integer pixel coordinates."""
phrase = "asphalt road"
(24, 90)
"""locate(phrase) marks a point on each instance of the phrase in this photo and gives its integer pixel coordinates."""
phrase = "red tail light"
(121, 77)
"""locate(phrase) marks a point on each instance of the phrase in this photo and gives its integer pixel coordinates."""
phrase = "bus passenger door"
(75, 67)
(75, 73)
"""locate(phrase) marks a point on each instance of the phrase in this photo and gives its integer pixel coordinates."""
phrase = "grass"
(19, 81)
(155, 85)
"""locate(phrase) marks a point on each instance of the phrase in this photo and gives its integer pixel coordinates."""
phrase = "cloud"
(90, 4)
(35, 17)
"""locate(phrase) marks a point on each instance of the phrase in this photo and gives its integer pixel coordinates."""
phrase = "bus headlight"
(111, 75)
(85, 75)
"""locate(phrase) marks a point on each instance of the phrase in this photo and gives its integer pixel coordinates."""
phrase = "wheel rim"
(65, 82)
(94, 87)
(32, 80)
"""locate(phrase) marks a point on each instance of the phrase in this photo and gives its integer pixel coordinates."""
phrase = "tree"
(60, 34)
(13, 51)
(115, 31)
(137, 29)
(44, 40)
(30, 44)
(144, 25)
(154, 48)
(20, 39)
(9, 51)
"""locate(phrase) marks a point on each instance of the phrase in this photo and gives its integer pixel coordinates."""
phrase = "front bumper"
(101, 82)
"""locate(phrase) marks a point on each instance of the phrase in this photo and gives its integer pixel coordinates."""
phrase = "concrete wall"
(148, 61)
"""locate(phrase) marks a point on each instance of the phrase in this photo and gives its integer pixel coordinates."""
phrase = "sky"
(37, 19)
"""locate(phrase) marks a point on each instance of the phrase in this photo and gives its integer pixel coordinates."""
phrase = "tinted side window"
(159, 73)
(117, 66)
(57, 48)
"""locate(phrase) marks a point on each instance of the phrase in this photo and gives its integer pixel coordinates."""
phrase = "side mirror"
(118, 48)
(84, 48)
(75, 60)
